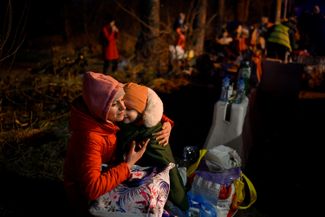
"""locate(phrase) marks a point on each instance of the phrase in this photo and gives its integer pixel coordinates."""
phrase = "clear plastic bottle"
(224, 89)
(230, 91)
(245, 74)
(240, 91)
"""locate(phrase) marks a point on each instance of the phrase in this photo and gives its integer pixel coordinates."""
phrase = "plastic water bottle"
(199, 207)
(230, 91)
(245, 74)
(224, 89)
(240, 91)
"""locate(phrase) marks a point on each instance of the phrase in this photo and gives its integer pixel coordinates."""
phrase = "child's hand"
(163, 136)
(133, 156)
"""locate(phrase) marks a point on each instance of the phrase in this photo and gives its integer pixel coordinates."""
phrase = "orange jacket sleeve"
(90, 145)
(95, 182)
(166, 119)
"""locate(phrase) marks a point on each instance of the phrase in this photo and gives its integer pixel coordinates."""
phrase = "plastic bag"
(220, 158)
(225, 191)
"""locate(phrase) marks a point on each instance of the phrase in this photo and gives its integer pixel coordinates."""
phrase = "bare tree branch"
(19, 35)
(132, 14)
(211, 19)
(13, 33)
(8, 15)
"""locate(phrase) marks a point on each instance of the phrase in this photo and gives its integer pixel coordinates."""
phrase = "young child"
(144, 112)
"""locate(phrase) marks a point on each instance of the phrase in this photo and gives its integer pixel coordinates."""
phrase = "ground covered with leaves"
(34, 109)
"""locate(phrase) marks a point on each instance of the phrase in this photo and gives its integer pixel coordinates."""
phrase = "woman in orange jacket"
(92, 142)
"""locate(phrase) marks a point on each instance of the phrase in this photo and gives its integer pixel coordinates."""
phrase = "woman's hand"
(133, 156)
(163, 136)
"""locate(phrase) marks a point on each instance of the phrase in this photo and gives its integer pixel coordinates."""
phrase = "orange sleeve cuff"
(166, 119)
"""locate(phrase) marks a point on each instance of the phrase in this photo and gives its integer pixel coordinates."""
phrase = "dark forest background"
(46, 25)
(46, 44)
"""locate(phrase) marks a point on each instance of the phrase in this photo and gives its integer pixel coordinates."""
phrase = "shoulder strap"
(252, 192)
(195, 165)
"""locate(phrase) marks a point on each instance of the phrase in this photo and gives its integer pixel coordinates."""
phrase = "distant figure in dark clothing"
(264, 26)
(317, 33)
(180, 21)
(311, 25)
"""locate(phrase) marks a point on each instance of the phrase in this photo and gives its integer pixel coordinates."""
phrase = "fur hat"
(154, 110)
(99, 91)
(145, 101)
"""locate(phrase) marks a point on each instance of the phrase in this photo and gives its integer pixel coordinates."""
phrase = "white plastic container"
(227, 126)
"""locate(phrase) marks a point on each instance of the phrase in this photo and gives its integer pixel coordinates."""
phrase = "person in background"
(278, 45)
(142, 120)
(180, 21)
(258, 44)
(225, 38)
(93, 142)
(294, 34)
(317, 31)
(177, 49)
(241, 39)
(260, 34)
(110, 34)
(181, 37)
(264, 26)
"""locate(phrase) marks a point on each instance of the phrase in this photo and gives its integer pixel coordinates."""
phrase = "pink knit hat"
(99, 91)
